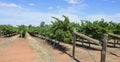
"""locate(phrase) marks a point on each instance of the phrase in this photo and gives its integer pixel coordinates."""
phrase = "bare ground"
(5, 42)
(18, 51)
(46, 53)
(33, 49)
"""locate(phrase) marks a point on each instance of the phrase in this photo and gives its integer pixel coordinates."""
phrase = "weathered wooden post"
(104, 45)
(54, 43)
(115, 42)
(82, 42)
(74, 43)
(89, 43)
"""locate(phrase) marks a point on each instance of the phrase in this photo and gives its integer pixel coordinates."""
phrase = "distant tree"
(42, 24)
(30, 26)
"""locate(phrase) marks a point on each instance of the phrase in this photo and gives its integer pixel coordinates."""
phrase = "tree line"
(62, 30)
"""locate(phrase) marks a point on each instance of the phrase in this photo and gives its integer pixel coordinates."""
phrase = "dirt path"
(46, 52)
(18, 51)
(34, 49)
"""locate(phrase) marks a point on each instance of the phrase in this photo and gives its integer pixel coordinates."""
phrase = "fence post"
(115, 42)
(89, 43)
(74, 44)
(104, 45)
(82, 42)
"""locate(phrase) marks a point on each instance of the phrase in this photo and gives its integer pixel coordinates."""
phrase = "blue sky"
(34, 11)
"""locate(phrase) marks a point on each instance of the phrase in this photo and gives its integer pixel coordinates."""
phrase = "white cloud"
(31, 4)
(77, 9)
(16, 17)
(114, 17)
(67, 10)
(50, 8)
(74, 1)
(9, 5)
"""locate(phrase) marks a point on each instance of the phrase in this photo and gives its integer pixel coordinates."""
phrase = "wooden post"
(104, 45)
(117, 41)
(82, 42)
(74, 44)
(89, 43)
(114, 43)
(54, 43)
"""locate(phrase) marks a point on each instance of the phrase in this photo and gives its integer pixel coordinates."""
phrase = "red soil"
(19, 51)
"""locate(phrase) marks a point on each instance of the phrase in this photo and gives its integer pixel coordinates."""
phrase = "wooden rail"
(86, 37)
(104, 43)
(114, 35)
(115, 40)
